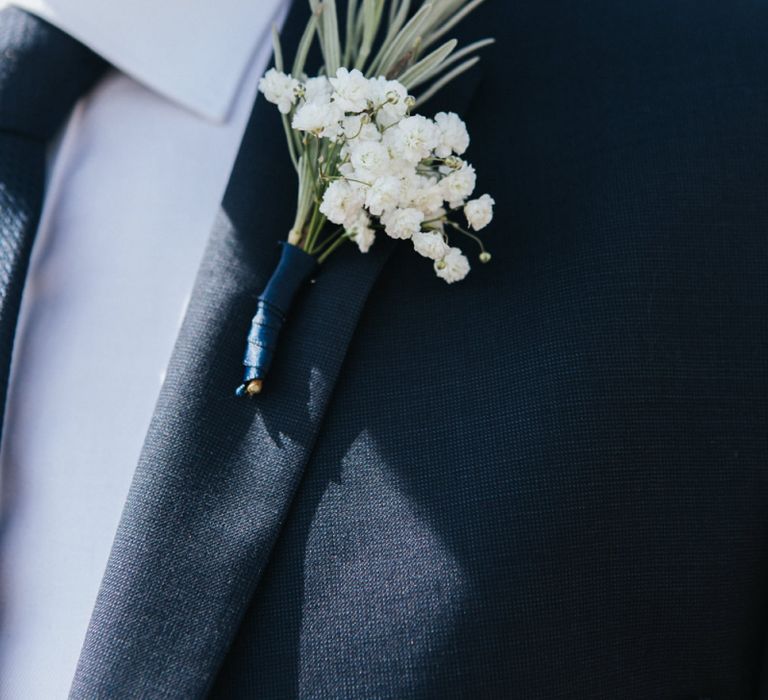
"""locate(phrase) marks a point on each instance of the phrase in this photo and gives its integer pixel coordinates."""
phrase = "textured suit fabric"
(42, 74)
(548, 481)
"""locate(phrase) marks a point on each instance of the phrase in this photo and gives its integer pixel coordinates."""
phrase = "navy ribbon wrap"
(293, 270)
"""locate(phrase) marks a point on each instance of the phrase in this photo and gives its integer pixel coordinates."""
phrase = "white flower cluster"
(393, 170)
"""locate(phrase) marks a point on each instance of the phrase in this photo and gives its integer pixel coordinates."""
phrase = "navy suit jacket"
(547, 481)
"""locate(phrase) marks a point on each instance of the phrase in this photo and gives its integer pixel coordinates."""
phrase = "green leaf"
(447, 78)
(349, 41)
(291, 145)
(404, 46)
(372, 10)
(331, 44)
(427, 66)
(397, 20)
(277, 49)
(466, 51)
(452, 22)
(304, 46)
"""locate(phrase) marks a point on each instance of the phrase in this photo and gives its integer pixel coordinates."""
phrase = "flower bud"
(410, 102)
(485, 257)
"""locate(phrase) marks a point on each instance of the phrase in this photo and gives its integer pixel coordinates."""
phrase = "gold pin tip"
(254, 387)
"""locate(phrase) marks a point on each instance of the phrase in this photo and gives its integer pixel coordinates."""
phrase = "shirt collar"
(195, 53)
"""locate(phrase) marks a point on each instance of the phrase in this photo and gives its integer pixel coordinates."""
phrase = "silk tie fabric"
(43, 72)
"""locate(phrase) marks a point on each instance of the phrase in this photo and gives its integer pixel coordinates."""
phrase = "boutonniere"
(367, 163)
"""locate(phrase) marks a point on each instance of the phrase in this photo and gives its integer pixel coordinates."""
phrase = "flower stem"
(324, 243)
(291, 146)
(316, 224)
(343, 237)
(467, 233)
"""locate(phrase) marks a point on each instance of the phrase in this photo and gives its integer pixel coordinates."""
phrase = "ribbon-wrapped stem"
(293, 270)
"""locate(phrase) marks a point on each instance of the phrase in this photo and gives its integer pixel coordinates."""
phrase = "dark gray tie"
(43, 72)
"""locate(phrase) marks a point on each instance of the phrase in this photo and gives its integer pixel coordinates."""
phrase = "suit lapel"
(217, 473)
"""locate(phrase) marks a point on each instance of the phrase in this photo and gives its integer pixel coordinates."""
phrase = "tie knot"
(43, 72)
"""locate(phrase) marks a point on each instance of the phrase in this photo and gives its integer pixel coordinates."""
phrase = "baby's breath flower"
(318, 90)
(401, 168)
(425, 194)
(413, 139)
(385, 194)
(341, 203)
(402, 223)
(364, 161)
(351, 90)
(458, 185)
(399, 171)
(320, 120)
(390, 101)
(352, 126)
(369, 158)
(430, 244)
(362, 233)
(347, 170)
(479, 212)
(358, 128)
(454, 137)
(436, 219)
(369, 132)
(279, 88)
(453, 267)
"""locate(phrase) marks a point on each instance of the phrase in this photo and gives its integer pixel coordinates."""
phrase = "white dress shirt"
(134, 187)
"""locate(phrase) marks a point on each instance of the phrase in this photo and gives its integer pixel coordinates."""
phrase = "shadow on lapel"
(217, 473)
